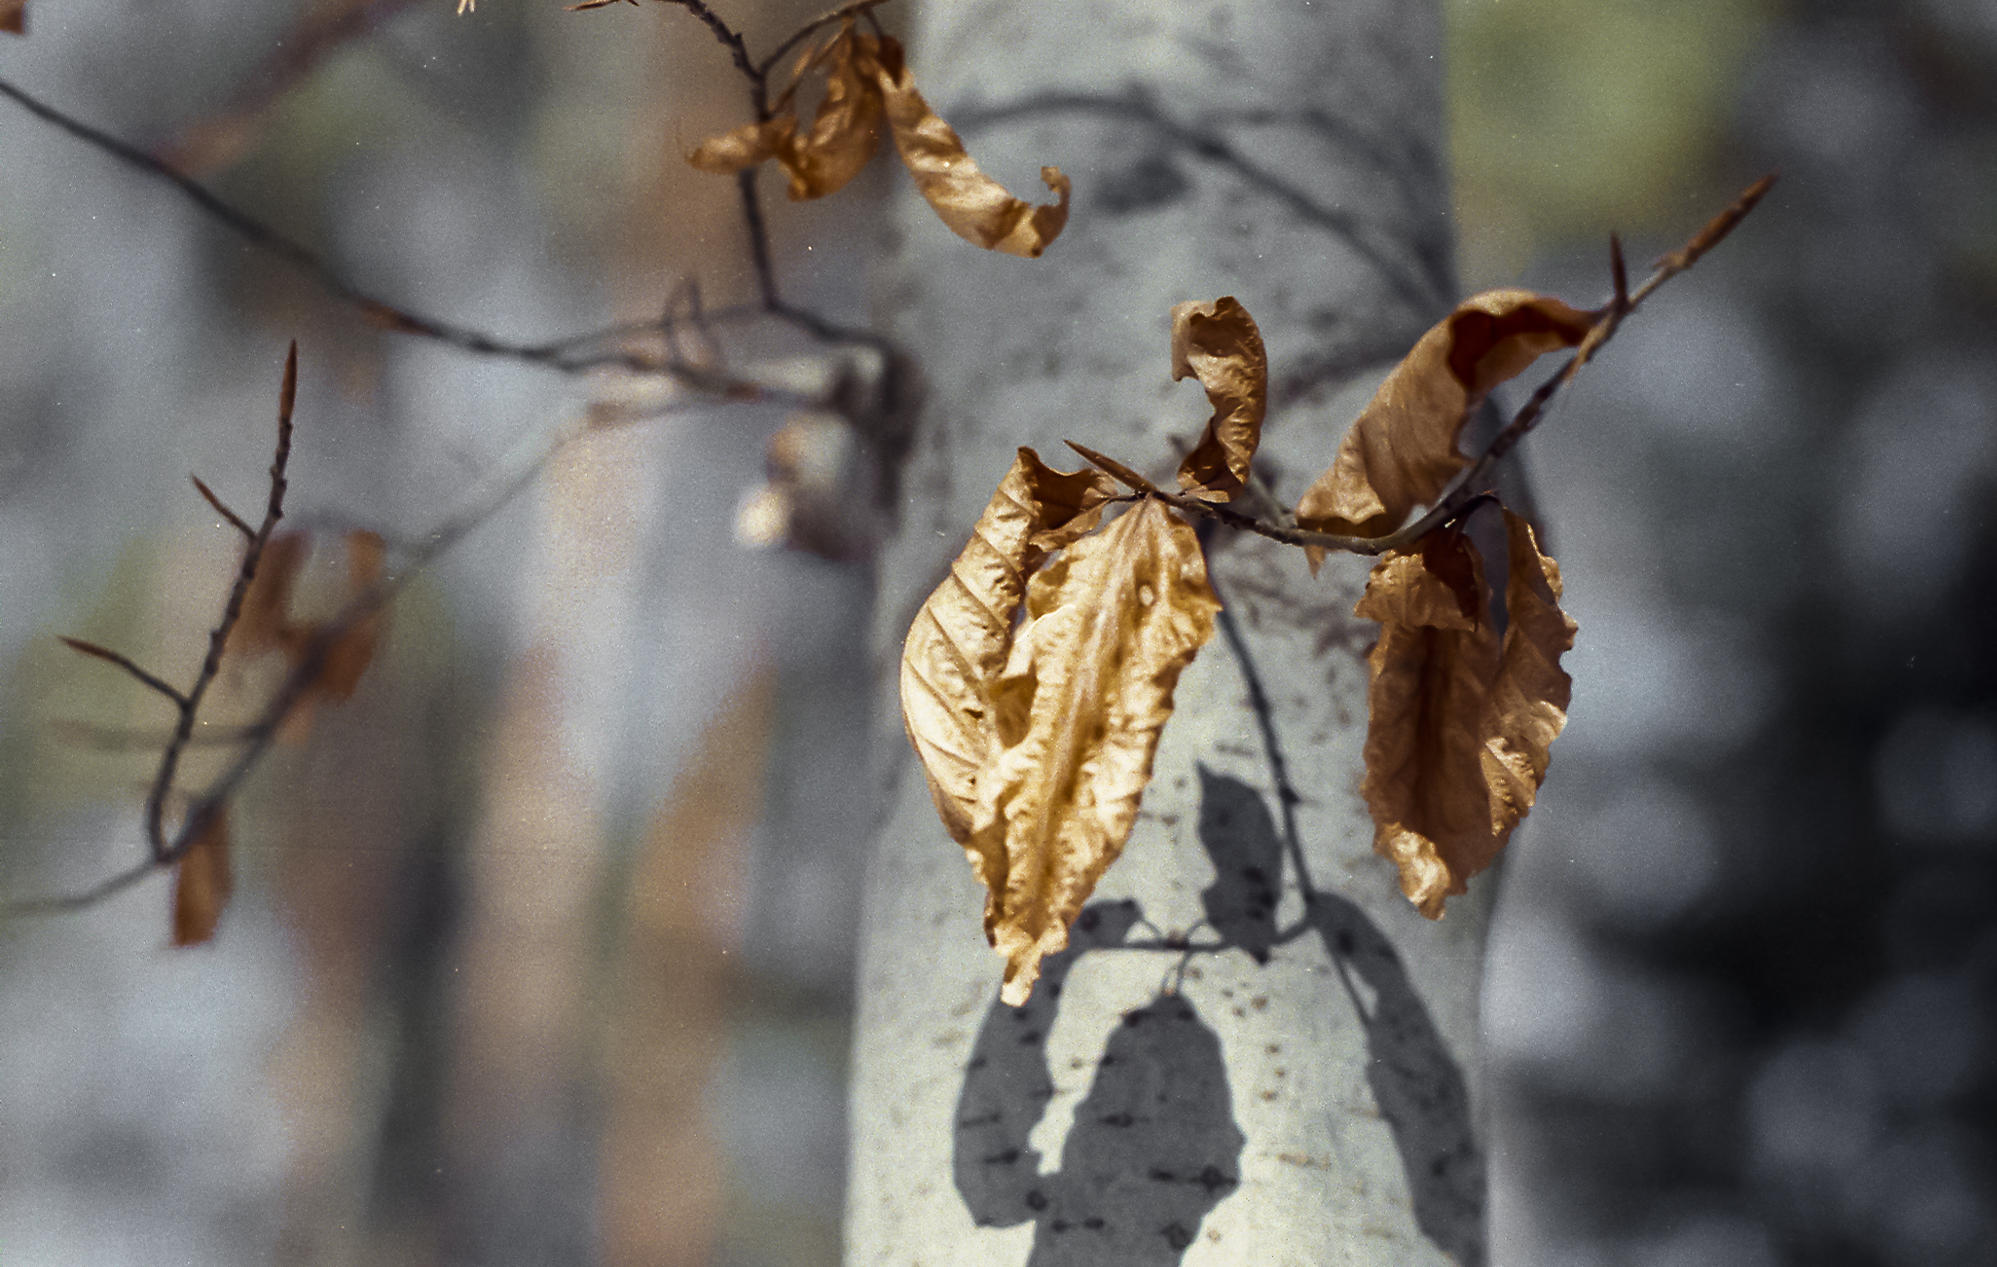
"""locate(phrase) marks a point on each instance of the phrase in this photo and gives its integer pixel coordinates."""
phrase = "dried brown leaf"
(745, 146)
(1219, 343)
(1086, 690)
(202, 882)
(1460, 722)
(976, 207)
(14, 16)
(957, 646)
(350, 654)
(265, 622)
(1402, 450)
(846, 130)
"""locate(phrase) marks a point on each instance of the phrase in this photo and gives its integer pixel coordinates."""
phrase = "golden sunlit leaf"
(14, 16)
(1402, 450)
(745, 146)
(1219, 343)
(1460, 722)
(846, 130)
(202, 882)
(976, 207)
(957, 646)
(1087, 687)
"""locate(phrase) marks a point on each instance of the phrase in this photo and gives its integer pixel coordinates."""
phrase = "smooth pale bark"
(1313, 1108)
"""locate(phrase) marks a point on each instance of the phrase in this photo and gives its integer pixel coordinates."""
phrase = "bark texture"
(1298, 1088)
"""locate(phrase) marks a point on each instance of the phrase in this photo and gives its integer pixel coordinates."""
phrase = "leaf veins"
(957, 646)
(1086, 691)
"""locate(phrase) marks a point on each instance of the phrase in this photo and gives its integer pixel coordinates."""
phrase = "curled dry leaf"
(1401, 451)
(745, 146)
(976, 207)
(268, 621)
(349, 655)
(1461, 722)
(202, 882)
(956, 648)
(866, 79)
(1219, 343)
(846, 130)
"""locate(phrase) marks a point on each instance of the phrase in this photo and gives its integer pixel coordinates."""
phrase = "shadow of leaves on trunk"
(1154, 1146)
(1416, 1082)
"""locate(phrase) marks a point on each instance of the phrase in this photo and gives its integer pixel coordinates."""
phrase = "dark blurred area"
(499, 971)
(1745, 966)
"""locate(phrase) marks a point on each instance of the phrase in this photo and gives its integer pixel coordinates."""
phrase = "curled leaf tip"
(1219, 343)
(1402, 450)
(973, 205)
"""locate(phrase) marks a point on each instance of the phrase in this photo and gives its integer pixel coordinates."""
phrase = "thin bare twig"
(1467, 487)
(218, 637)
(222, 509)
(570, 354)
(126, 663)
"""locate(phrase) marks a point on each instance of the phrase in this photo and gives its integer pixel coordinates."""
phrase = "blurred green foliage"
(1569, 118)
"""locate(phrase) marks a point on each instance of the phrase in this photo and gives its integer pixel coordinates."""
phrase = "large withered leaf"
(1219, 343)
(957, 646)
(976, 207)
(1086, 690)
(202, 882)
(1460, 722)
(1401, 451)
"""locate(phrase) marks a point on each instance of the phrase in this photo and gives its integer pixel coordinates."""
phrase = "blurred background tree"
(1739, 1007)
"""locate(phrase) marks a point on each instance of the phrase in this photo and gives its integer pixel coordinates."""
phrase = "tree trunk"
(1295, 1088)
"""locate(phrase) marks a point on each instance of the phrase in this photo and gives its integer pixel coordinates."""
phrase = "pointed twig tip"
(287, 395)
(222, 509)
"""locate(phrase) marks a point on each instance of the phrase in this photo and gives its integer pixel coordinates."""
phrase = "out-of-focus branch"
(309, 664)
(569, 354)
(221, 137)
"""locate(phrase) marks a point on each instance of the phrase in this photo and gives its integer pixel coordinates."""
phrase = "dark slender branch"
(571, 354)
(256, 737)
(759, 240)
(1467, 487)
(818, 23)
(218, 637)
(126, 663)
(737, 49)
